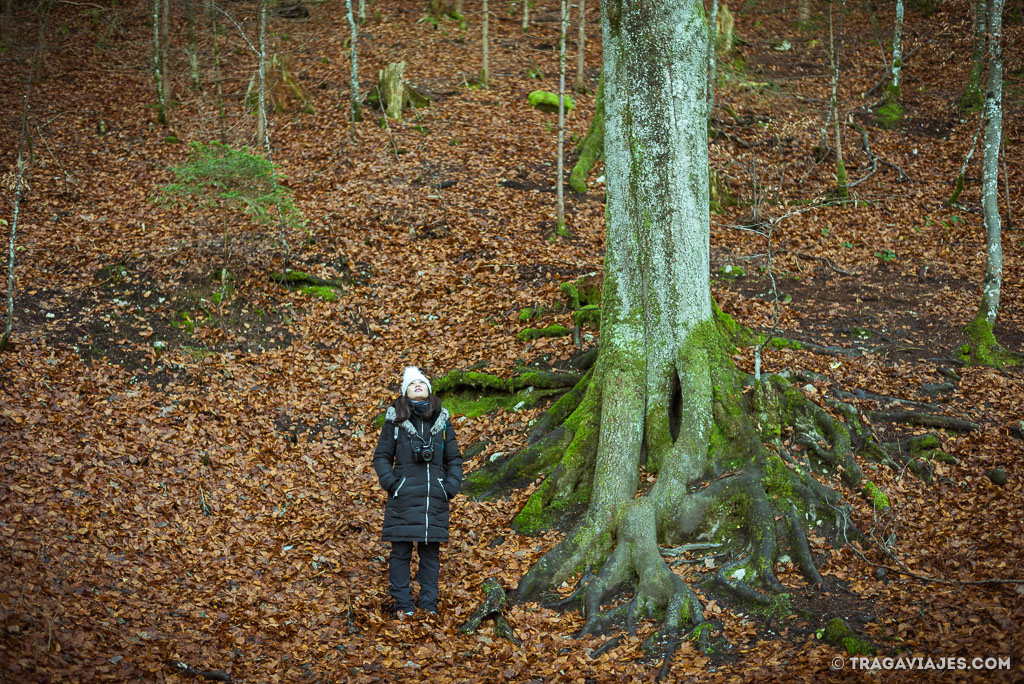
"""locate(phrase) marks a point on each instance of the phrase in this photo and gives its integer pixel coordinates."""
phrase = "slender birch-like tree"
(485, 45)
(581, 50)
(974, 97)
(15, 182)
(559, 179)
(841, 191)
(357, 114)
(159, 73)
(982, 345)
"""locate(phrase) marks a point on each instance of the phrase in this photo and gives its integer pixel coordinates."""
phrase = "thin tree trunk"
(354, 60)
(158, 73)
(165, 51)
(217, 75)
(362, 12)
(192, 48)
(973, 97)
(581, 50)
(897, 55)
(485, 46)
(803, 12)
(712, 53)
(526, 15)
(559, 184)
(261, 74)
(992, 284)
(20, 170)
(834, 45)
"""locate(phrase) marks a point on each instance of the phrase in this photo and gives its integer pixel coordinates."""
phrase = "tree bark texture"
(158, 66)
(834, 49)
(712, 50)
(663, 396)
(992, 284)
(165, 50)
(354, 61)
(581, 49)
(897, 54)
(560, 173)
(485, 45)
(261, 72)
(973, 97)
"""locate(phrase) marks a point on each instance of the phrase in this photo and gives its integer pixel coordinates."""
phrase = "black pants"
(398, 574)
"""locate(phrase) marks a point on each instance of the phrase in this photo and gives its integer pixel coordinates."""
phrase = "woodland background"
(186, 441)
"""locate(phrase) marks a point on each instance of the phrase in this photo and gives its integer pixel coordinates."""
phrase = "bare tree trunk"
(485, 46)
(165, 50)
(712, 53)
(559, 181)
(192, 48)
(362, 12)
(17, 183)
(897, 55)
(353, 58)
(526, 15)
(803, 11)
(973, 98)
(261, 74)
(992, 284)
(158, 67)
(581, 50)
(217, 75)
(834, 45)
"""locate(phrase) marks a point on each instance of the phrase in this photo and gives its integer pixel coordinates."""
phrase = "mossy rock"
(841, 636)
(548, 102)
(929, 448)
(876, 496)
(730, 272)
(584, 291)
(889, 116)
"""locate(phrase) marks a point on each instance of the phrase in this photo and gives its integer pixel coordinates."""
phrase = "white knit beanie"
(413, 373)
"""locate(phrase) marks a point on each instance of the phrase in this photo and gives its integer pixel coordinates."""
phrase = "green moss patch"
(548, 102)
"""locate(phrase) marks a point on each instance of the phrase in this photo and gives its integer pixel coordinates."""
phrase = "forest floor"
(187, 456)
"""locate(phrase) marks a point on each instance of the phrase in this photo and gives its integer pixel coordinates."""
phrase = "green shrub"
(218, 175)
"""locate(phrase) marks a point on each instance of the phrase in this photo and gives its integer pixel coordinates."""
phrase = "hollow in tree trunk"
(663, 398)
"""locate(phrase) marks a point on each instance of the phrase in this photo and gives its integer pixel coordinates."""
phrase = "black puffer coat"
(418, 490)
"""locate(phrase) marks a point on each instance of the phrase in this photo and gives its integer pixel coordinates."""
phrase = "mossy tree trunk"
(973, 97)
(663, 397)
(893, 92)
(591, 148)
(982, 344)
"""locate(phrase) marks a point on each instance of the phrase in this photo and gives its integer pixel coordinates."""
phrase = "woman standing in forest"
(419, 465)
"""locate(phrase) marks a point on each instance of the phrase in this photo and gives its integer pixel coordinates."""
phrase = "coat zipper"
(399, 487)
(426, 516)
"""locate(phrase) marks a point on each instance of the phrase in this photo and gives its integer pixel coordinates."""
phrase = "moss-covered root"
(591, 148)
(587, 545)
(660, 593)
(982, 349)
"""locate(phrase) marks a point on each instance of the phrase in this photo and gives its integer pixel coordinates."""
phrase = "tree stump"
(392, 90)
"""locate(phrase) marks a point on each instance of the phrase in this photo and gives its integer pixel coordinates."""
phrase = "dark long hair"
(403, 409)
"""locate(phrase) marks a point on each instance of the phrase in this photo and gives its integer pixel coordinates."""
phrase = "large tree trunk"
(663, 396)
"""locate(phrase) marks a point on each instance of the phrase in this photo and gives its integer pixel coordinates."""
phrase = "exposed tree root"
(492, 608)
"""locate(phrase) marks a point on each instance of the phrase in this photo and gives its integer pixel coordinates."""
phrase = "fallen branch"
(185, 668)
(923, 419)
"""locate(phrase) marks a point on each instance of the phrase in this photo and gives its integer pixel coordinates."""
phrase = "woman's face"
(417, 390)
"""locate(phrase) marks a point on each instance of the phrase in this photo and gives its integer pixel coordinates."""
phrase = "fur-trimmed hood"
(436, 428)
